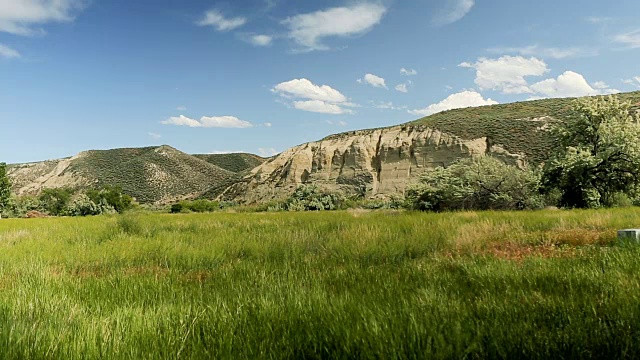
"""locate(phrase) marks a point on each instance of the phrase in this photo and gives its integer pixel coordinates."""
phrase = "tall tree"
(599, 153)
(5, 187)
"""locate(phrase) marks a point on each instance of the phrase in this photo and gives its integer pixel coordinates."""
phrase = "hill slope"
(382, 162)
(152, 174)
(235, 162)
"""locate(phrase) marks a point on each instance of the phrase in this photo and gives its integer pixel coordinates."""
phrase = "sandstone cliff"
(374, 163)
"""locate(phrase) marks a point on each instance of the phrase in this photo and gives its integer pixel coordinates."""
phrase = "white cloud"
(20, 16)
(154, 135)
(506, 74)
(320, 106)
(373, 80)
(630, 40)
(9, 53)
(303, 88)
(308, 30)
(311, 97)
(181, 108)
(460, 100)
(454, 11)
(215, 19)
(387, 106)
(551, 52)
(569, 84)
(600, 85)
(208, 122)
(408, 72)
(338, 123)
(635, 81)
(402, 88)
(267, 124)
(597, 19)
(267, 152)
(261, 40)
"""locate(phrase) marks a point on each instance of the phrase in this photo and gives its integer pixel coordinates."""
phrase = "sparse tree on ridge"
(5, 187)
(599, 156)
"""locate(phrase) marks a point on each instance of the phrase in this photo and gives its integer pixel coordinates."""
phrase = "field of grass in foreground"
(353, 284)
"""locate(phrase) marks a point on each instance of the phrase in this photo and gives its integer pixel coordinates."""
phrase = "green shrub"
(483, 183)
(310, 198)
(111, 197)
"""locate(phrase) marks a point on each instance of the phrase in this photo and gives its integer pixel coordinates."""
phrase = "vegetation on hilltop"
(512, 125)
(236, 162)
(150, 174)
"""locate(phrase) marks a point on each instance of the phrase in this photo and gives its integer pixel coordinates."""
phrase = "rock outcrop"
(373, 163)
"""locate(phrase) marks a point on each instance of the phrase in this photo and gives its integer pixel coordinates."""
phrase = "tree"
(483, 183)
(55, 201)
(111, 196)
(599, 156)
(5, 187)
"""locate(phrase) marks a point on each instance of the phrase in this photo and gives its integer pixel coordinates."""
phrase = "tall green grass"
(325, 285)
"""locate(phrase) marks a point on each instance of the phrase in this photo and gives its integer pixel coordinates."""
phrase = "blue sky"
(263, 75)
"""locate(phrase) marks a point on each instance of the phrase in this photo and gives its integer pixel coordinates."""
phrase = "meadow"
(339, 285)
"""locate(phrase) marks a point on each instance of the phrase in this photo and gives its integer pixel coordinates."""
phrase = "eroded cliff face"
(375, 163)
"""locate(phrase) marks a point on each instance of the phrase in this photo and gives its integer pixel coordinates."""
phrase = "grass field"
(340, 285)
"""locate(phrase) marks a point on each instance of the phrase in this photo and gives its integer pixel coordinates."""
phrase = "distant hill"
(235, 162)
(383, 162)
(151, 174)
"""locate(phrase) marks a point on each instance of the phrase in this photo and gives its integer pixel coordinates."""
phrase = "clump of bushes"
(197, 206)
(311, 198)
(66, 202)
(483, 183)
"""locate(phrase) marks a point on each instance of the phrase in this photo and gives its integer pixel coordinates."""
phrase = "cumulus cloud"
(545, 52)
(20, 17)
(408, 72)
(215, 19)
(387, 106)
(506, 74)
(373, 80)
(267, 152)
(314, 98)
(308, 30)
(635, 81)
(460, 100)
(9, 53)
(570, 84)
(402, 88)
(261, 40)
(154, 135)
(630, 40)
(319, 106)
(454, 11)
(227, 122)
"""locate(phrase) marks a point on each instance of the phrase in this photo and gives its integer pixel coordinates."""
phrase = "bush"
(197, 206)
(83, 206)
(482, 183)
(310, 198)
(111, 198)
(55, 201)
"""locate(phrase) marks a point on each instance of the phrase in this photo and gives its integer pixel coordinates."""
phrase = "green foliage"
(5, 188)
(599, 156)
(310, 198)
(237, 163)
(481, 184)
(518, 127)
(111, 196)
(196, 206)
(55, 201)
(150, 174)
(82, 205)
